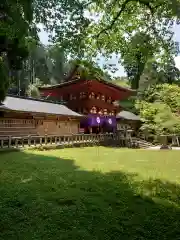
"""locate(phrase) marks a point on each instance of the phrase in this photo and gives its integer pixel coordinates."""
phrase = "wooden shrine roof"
(76, 81)
(128, 116)
(36, 106)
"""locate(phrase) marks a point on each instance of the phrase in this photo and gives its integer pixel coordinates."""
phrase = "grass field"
(90, 193)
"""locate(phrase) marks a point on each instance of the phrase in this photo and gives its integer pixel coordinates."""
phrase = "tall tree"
(56, 55)
(65, 18)
(136, 29)
(87, 69)
(15, 19)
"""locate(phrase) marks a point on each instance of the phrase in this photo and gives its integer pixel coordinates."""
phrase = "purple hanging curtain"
(92, 121)
(110, 121)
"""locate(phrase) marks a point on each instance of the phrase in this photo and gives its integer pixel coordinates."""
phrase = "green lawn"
(90, 193)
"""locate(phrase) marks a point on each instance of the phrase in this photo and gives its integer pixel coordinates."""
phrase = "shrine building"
(96, 99)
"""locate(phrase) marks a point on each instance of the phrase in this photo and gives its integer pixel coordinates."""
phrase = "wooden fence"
(171, 139)
(69, 140)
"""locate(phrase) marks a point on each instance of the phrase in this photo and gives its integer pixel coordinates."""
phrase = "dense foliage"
(139, 30)
(159, 109)
(19, 20)
(15, 20)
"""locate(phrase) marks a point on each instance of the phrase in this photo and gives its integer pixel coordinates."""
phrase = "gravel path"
(158, 148)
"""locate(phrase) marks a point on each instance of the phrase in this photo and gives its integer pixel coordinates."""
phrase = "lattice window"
(100, 112)
(85, 111)
(61, 98)
(98, 96)
(71, 97)
(82, 95)
(105, 112)
(103, 98)
(113, 113)
(94, 110)
(109, 100)
(92, 95)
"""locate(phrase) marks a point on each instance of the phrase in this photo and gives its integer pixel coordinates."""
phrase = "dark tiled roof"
(128, 116)
(36, 106)
(108, 83)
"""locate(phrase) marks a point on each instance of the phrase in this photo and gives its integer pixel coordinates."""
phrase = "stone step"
(142, 143)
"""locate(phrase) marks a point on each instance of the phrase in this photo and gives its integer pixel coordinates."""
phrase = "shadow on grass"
(44, 197)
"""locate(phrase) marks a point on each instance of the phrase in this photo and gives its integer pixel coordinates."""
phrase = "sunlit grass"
(90, 193)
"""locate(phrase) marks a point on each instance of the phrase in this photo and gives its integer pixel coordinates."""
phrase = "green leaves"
(33, 91)
(4, 82)
(64, 19)
(159, 109)
(166, 93)
(138, 30)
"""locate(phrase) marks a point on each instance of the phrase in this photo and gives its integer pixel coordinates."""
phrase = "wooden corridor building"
(23, 116)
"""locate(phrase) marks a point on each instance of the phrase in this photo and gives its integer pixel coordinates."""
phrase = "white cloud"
(43, 35)
(177, 61)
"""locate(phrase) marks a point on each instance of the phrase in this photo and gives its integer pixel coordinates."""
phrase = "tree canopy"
(138, 30)
(19, 20)
(159, 109)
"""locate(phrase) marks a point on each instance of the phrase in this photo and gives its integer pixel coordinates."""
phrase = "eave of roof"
(128, 116)
(37, 106)
(60, 85)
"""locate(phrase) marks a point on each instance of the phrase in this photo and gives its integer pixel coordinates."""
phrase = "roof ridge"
(34, 99)
(110, 83)
(19, 103)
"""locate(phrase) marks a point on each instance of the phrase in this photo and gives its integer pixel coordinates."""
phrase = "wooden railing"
(68, 140)
(172, 139)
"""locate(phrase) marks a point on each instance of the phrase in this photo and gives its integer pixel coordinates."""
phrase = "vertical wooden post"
(68, 140)
(9, 142)
(34, 141)
(99, 138)
(2, 143)
(16, 142)
(22, 142)
(177, 141)
(83, 138)
(29, 141)
(40, 141)
(45, 139)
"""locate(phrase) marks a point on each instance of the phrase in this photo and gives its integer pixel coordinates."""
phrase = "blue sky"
(44, 39)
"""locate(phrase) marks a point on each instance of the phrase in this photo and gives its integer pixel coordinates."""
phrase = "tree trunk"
(140, 70)
(71, 74)
(135, 82)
